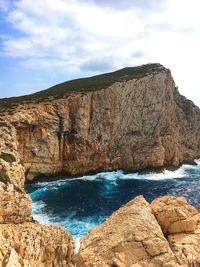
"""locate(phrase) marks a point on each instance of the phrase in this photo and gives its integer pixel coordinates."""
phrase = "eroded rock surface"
(180, 223)
(24, 242)
(130, 237)
(32, 244)
(132, 124)
(15, 204)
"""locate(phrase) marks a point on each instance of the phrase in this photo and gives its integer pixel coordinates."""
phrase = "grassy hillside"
(81, 85)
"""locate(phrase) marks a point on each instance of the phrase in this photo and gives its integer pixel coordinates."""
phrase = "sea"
(79, 204)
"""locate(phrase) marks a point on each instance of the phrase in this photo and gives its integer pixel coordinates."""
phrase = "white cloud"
(73, 34)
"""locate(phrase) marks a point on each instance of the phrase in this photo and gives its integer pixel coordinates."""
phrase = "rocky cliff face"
(135, 123)
(24, 242)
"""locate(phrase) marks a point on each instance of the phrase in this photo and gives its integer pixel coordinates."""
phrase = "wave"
(77, 227)
(183, 171)
(79, 204)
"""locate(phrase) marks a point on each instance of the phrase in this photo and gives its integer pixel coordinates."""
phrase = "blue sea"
(80, 204)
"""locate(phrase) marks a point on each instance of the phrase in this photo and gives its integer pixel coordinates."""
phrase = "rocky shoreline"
(163, 233)
(135, 123)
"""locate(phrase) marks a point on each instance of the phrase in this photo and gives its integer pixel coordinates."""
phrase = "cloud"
(98, 65)
(81, 36)
(138, 54)
(121, 4)
(69, 31)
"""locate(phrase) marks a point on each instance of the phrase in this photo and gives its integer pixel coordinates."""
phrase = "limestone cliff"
(131, 119)
(24, 242)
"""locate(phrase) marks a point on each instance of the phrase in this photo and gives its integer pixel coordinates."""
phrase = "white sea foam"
(80, 226)
(38, 214)
(119, 174)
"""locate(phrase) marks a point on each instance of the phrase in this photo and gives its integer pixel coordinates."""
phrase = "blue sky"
(46, 42)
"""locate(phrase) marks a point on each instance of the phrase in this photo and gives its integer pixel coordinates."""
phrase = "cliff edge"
(130, 119)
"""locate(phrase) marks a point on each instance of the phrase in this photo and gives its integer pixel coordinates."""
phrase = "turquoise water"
(81, 203)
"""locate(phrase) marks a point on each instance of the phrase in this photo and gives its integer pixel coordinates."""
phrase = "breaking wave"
(80, 204)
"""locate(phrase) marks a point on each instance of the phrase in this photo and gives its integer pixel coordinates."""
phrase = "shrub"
(4, 178)
(7, 157)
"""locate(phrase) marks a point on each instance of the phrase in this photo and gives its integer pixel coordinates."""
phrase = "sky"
(45, 42)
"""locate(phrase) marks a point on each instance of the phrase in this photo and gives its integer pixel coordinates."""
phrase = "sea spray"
(79, 204)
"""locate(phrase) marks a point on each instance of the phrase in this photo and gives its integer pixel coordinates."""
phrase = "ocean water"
(80, 204)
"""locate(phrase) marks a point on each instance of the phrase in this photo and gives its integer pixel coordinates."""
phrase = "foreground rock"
(24, 242)
(180, 223)
(32, 244)
(131, 119)
(130, 237)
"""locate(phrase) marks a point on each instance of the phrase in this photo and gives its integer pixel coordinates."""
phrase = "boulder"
(175, 215)
(180, 223)
(131, 236)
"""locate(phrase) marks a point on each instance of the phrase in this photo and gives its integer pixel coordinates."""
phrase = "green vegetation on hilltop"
(81, 85)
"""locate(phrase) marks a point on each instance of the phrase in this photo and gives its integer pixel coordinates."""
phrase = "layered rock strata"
(135, 123)
(24, 242)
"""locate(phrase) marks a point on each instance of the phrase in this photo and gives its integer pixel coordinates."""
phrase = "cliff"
(24, 242)
(130, 119)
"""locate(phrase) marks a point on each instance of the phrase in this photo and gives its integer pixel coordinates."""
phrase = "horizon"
(47, 43)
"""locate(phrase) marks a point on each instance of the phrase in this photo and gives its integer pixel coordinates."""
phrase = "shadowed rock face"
(132, 124)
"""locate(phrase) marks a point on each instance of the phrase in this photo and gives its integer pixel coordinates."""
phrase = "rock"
(175, 215)
(10, 164)
(132, 122)
(130, 237)
(32, 244)
(22, 241)
(12, 260)
(15, 204)
(180, 223)
(135, 123)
